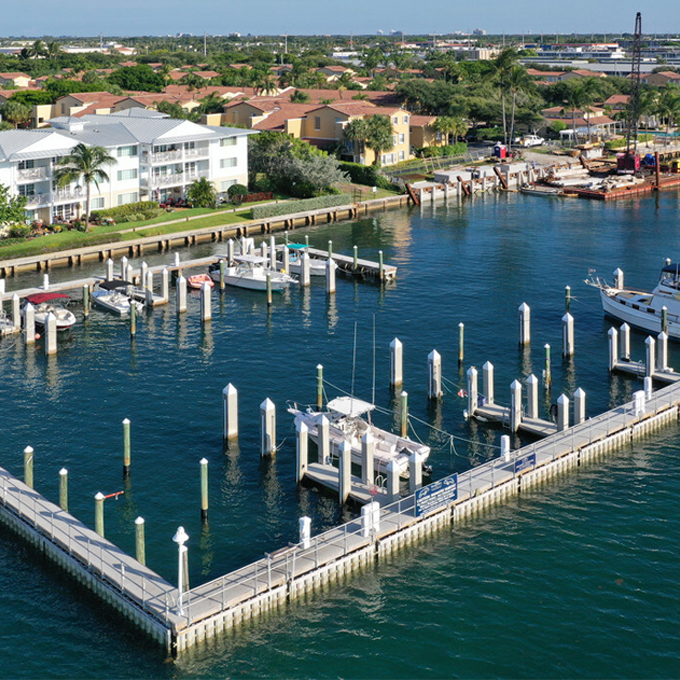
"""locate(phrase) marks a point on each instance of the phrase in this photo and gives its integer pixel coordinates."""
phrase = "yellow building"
(423, 133)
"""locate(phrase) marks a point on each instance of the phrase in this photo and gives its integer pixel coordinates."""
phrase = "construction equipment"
(628, 163)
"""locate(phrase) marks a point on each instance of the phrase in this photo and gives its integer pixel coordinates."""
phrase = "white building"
(157, 158)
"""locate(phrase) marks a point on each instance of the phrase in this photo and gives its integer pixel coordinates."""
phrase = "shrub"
(237, 190)
(291, 207)
(130, 212)
(369, 175)
(18, 230)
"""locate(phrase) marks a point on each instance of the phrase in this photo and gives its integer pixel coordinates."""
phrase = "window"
(337, 120)
(65, 212)
(317, 122)
(402, 155)
(27, 190)
(394, 140)
(124, 199)
(228, 141)
(124, 151)
(189, 145)
(227, 163)
(127, 174)
(224, 185)
(405, 120)
(97, 203)
(26, 165)
(402, 138)
(395, 120)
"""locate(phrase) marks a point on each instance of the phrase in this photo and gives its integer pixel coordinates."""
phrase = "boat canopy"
(672, 268)
(116, 284)
(297, 246)
(251, 259)
(39, 298)
(349, 406)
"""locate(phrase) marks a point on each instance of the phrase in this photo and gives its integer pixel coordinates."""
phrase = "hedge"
(290, 207)
(130, 212)
(369, 175)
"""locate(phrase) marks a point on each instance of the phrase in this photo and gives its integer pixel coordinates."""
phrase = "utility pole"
(205, 44)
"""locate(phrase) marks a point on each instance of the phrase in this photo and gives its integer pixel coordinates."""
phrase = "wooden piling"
(126, 447)
(301, 450)
(140, 548)
(547, 375)
(269, 289)
(63, 489)
(133, 318)
(319, 386)
(404, 413)
(86, 300)
(345, 472)
(204, 489)
(28, 466)
(461, 343)
(355, 265)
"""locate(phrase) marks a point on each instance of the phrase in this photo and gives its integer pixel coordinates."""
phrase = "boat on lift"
(44, 303)
(251, 271)
(348, 424)
(643, 309)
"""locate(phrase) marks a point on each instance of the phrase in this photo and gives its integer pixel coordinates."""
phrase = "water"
(574, 579)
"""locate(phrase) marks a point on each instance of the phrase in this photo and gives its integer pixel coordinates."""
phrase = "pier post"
(307, 240)
(229, 413)
(63, 489)
(488, 383)
(143, 271)
(86, 300)
(344, 472)
(126, 447)
(650, 355)
(301, 451)
(305, 532)
(206, 308)
(567, 336)
(367, 459)
(176, 260)
(109, 270)
(396, 362)
(99, 513)
(562, 413)
(223, 266)
(547, 374)
(625, 342)
(664, 319)
(355, 265)
(319, 386)
(367, 515)
(181, 295)
(613, 348)
(639, 401)
(461, 343)
(272, 252)
(230, 252)
(268, 427)
(165, 284)
(28, 466)
(662, 352)
(404, 413)
(204, 489)
(393, 481)
(524, 324)
(579, 406)
(505, 448)
(515, 405)
(434, 383)
(472, 379)
(46, 281)
(29, 324)
(50, 334)
(330, 249)
(148, 289)
(618, 278)
(16, 313)
(133, 318)
(324, 440)
(304, 269)
(381, 266)
(532, 396)
(123, 267)
(181, 537)
(140, 548)
(269, 289)
(648, 387)
(285, 262)
(264, 251)
(415, 463)
(330, 276)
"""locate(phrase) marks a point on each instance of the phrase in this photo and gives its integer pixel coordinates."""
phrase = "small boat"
(44, 303)
(197, 280)
(346, 424)
(295, 250)
(643, 309)
(251, 271)
(116, 296)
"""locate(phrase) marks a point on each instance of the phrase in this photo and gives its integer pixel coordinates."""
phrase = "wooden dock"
(501, 414)
(361, 268)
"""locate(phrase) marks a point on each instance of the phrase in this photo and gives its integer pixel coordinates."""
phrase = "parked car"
(529, 140)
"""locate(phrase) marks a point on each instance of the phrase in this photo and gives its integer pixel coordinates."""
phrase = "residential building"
(15, 79)
(661, 78)
(157, 158)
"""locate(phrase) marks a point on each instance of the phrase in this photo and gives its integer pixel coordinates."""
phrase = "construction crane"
(629, 162)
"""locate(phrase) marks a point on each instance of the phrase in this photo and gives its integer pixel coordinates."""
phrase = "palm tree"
(86, 163)
(357, 131)
(53, 51)
(580, 96)
(502, 66)
(267, 85)
(36, 50)
(668, 106)
(518, 81)
(15, 112)
(380, 135)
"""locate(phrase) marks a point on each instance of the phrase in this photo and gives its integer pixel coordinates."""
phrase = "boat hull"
(114, 302)
(637, 314)
(250, 282)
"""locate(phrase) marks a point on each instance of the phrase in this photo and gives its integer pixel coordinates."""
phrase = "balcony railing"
(176, 178)
(198, 151)
(166, 156)
(31, 174)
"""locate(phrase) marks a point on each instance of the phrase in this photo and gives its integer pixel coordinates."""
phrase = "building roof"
(276, 119)
(421, 121)
(43, 143)
(11, 75)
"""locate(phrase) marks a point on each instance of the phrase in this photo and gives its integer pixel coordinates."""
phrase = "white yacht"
(115, 297)
(347, 425)
(642, 309)
(251, 271)
(44, 303)
(295, 250)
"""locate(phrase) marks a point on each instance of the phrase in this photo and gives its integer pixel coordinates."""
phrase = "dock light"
(181, 537)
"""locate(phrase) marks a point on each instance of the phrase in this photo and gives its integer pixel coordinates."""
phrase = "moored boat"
(115, 296)
(197, 280)
(251, 272)
(295, 250)
(44, 303)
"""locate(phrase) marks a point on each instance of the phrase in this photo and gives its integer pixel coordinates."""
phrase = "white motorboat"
(643, 309)
(115, 297)
(44, 303)
(346, 424)
(295, 250)
(251, 271)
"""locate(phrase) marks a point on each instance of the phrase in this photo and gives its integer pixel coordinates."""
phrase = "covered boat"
(251, 271)
(44, 303)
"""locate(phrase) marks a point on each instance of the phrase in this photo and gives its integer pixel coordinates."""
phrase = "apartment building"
(157, 158)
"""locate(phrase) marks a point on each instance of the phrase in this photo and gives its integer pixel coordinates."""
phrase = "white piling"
(625, 342)
(618, 278)
(532, 396)
(472, 379)
(285, 261)
(488, 383)
(29, 324)
(613, 336)
(515, 405)
(345, 472)
(268, 427)
(272, 252)
(229, 412)
(648, 386)
(396, 359)
(505, 448)
(562, 413)
(305, 530)
(181, 295)
(393, 481)
(46, 281)
(330, 275)
(109, 269)
(524, 324)
(230, 252)
(650, 355)
(304, 267)
(567, 336)
(148, 288)
(264, 251)
(662, 352)
(165, 285)
(50, 334)
(129, 276)
(415, 464)
(301, 450)
(177, 261)
(367, 458)
(2, 286)
(434, 370)
(206, 307)
(324, 440)
(124, 264)
(579, 406)
(366, 520)
(143, 269)
(639, 402)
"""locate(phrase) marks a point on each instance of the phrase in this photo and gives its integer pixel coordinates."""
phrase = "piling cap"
(100, 496)
(139, 520)
(28, 449)
(63, 471)
(126, 421)
(181, 537)
(229, 389)
(203, 461)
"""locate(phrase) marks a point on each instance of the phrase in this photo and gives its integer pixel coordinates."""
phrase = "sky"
(297, 17)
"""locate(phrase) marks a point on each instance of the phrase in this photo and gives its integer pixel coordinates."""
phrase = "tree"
(201, 193)
(299, 97)
(15, 112)
(192, 81)
(446, 125)
(380, 136)
(668, 106)
(266, 85)
(53, 51)
(139, 78)
(11, 207)
(518, 81)
(37, 50)
(580, 96)
(86, 163)
(502, 66)
(356, 131)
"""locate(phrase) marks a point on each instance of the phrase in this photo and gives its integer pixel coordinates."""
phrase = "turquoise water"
(574, 579)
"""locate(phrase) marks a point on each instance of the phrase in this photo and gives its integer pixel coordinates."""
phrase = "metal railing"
(166, 156)
(30, 174)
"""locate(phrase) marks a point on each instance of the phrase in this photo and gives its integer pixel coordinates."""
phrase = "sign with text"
(436, 495)
(526, 463)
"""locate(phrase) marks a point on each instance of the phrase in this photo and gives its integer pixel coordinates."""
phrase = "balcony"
(37, 200)
(198, 152)
(175, 179)
(33, 174)
(166, 156)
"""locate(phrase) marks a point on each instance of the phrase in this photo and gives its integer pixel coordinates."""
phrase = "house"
(660, 78)
(332, 73)
(582, 73)
(617, 102)
(423, 133)
(545, 76)
(15, 79)
(592, 121)
(156, 158)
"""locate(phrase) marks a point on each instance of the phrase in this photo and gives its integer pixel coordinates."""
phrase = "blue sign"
(436, 495)
(526, 463)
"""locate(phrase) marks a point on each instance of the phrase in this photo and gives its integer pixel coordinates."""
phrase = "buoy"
(37, 336)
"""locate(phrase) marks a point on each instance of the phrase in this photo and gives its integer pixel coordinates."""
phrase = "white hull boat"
(251, 272)
(295, 250)
(347, 425)
(46, 303)
(114, 297)
(642, 309)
